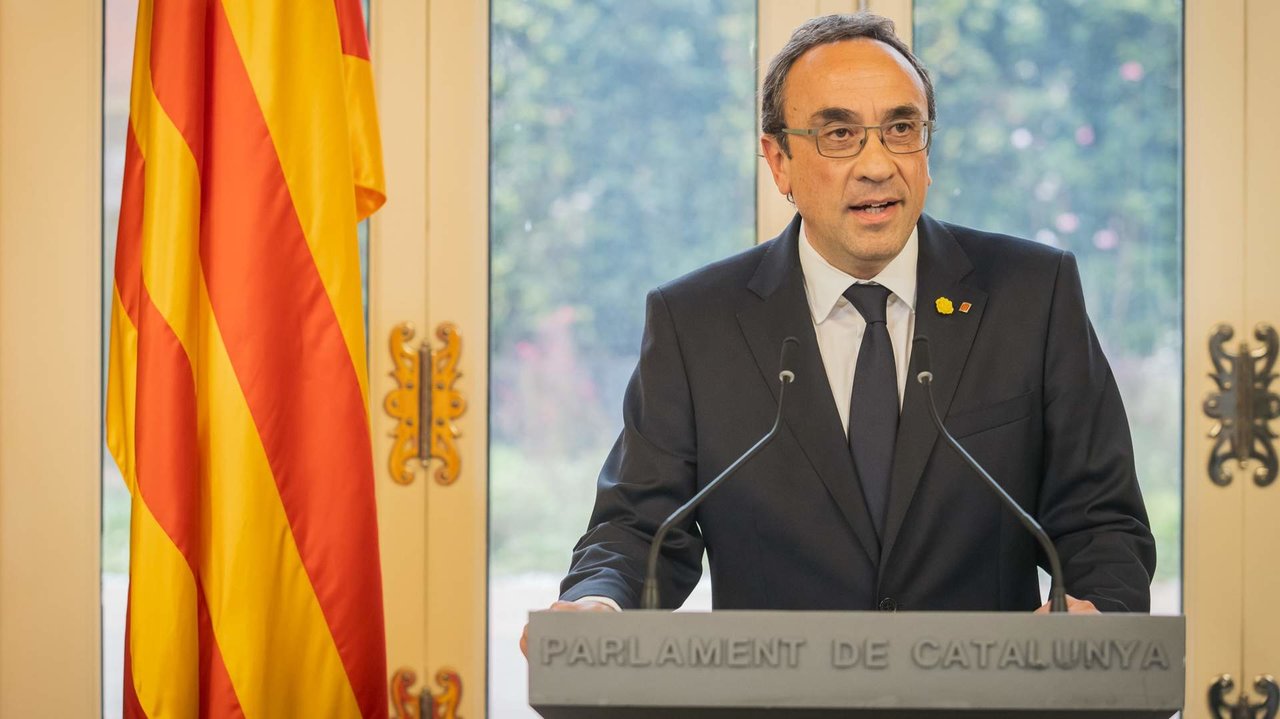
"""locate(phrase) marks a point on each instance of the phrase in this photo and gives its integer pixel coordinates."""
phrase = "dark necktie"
(873, 405)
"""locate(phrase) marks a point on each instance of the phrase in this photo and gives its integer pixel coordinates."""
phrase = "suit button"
(888, 605)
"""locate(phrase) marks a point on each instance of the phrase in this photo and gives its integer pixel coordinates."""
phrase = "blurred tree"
(622, 145)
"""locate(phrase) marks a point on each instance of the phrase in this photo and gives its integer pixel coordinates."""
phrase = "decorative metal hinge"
(1264, 685)
(1244, 405)
(436, 408)
(424, 705)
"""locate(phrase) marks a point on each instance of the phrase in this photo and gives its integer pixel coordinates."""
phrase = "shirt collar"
(824, 284)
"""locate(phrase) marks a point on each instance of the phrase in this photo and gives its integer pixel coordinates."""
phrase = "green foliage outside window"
(623, 155)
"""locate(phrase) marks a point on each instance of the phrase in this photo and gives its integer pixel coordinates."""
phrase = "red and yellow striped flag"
(237, 404)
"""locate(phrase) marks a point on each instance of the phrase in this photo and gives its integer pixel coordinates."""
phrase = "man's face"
(865, 82)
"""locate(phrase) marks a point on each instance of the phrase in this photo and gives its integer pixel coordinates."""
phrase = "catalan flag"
(237, 398)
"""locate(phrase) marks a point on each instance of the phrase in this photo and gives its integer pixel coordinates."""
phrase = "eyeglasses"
(840, 139)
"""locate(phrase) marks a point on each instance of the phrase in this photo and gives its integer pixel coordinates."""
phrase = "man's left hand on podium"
(582, 605)
(1074, 606)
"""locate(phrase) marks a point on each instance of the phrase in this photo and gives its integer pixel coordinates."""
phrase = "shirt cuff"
(603, 600)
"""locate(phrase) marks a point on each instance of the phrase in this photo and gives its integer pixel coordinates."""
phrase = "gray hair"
(821, 31)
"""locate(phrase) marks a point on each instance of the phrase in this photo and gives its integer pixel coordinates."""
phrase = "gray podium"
(854, 664)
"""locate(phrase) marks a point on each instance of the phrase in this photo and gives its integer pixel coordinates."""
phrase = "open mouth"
(875, 208)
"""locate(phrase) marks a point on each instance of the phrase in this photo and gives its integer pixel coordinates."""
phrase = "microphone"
(649, 598)
(1057, 595)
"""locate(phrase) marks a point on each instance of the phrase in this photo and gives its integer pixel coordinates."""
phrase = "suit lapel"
(810, 413)
(942, 269)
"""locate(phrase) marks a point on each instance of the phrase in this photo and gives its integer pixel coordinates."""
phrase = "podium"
(746, 664)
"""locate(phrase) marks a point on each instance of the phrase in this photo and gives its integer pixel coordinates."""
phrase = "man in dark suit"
(858, 504)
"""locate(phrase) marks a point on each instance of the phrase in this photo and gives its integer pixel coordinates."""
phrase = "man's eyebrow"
(902, 112)
(841, 114)
(835, 114)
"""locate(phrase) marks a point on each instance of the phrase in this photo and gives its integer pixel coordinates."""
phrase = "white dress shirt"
(839, 326)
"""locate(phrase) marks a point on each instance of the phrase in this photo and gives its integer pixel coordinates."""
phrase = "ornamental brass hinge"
(1244, 406)
(425, 408)
(1264, 685)
(424, 705)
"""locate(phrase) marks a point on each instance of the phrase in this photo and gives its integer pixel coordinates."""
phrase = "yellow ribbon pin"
(944, 306)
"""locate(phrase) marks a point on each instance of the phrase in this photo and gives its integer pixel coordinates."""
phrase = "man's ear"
(779, 162)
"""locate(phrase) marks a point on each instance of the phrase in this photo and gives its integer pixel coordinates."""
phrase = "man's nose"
(875, 162)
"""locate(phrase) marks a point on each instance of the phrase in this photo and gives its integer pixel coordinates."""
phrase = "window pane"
(119, 21)
(1061, 121)
(623, 155)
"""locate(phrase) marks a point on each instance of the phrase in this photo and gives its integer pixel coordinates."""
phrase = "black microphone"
(1057, 595)
(649, 599)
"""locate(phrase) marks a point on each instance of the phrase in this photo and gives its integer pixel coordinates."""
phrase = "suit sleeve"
(1090, 503)
(650, 473)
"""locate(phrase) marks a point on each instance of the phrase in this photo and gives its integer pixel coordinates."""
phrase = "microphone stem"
(1057, 595)
(650, 599)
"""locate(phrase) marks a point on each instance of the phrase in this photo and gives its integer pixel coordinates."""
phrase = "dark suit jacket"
(1020, 379)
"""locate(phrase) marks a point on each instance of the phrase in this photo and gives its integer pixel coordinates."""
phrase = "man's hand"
(580, 606)
(1074, 606)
